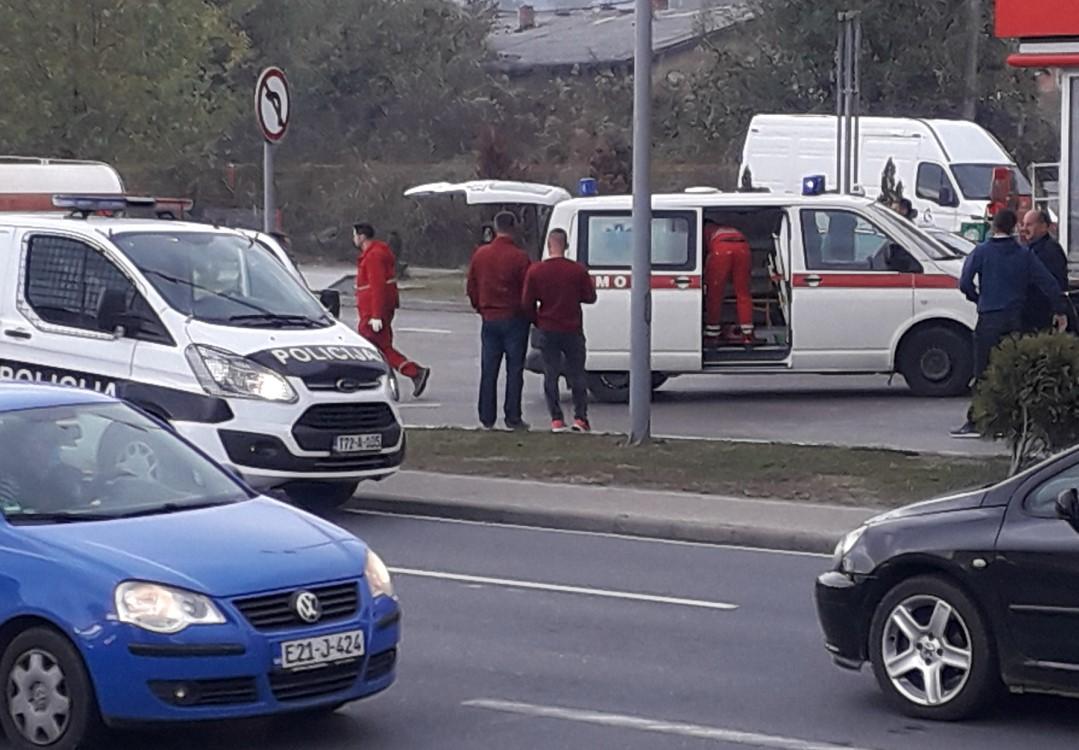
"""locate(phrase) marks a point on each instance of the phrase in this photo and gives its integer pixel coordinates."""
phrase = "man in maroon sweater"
(496, 280)
(559, 287)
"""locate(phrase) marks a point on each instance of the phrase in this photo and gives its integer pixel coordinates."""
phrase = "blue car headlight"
(163, 609)
(378, 576)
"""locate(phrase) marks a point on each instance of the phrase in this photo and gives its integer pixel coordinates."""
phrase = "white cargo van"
(841, 285)
(946, 166)
(204, 329)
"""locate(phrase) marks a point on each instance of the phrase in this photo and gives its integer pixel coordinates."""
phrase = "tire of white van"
(320, 497)
(613, 387)
(937, 362)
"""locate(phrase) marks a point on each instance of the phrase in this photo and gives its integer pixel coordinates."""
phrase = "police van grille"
(275, 610)
(348, 417)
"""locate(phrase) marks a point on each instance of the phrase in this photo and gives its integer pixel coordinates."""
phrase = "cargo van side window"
(934, 185)
(842, 241)
(606, 240)
(66, 284)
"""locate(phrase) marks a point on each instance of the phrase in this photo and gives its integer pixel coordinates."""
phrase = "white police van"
(202, 328)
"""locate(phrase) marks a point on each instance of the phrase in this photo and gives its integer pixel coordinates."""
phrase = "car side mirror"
(948, 197)
(113, 312)
(331, 300)
(899, 259)
(1068, 506)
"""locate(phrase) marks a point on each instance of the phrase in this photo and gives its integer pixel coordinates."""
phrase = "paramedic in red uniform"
(729, 258)
(559, 286)
(377, 301)
(496, 279)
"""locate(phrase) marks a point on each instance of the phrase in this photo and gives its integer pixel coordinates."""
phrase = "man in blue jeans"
(495, 282)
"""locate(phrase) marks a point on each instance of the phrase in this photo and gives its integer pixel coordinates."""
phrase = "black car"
(954, 600)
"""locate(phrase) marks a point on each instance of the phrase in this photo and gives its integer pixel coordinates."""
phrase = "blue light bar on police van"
(90, 202)
(813, 185)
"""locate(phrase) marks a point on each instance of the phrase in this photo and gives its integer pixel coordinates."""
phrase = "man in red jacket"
(377, 301)
(559, 287)
(729, 259)
(496, 280)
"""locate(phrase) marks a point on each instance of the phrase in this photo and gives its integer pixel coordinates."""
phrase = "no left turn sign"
(272, 106)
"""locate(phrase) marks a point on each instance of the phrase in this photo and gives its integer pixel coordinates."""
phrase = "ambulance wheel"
(937, 362)
(613, 387)
(320, 497)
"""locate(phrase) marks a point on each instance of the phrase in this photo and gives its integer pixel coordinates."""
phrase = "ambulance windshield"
(222, 278)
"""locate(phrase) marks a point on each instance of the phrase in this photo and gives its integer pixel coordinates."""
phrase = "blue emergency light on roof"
(90, 202)
(587, 187)
(813, 185)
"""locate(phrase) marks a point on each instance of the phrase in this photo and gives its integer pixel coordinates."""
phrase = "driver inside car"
(33, 476)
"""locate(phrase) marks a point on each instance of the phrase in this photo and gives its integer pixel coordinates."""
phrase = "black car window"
(1042, 501)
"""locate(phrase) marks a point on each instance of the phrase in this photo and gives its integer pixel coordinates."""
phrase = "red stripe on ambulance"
(605, 281)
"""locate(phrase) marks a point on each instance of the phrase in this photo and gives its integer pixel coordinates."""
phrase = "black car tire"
(983, 682)
(613, 387)
(937, 362)
(321, 497)
(83, 727)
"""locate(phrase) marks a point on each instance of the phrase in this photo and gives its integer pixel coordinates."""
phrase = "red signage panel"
(1032, 19)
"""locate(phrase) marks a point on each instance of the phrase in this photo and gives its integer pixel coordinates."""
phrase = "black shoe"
(419, 383)
(968, 430)
(519, 426)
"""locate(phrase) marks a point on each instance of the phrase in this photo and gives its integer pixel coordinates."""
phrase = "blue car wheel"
(48, 700)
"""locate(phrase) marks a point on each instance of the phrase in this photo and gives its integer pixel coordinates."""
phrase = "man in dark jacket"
(1034, 233)
(496, 279)
(1004, 270)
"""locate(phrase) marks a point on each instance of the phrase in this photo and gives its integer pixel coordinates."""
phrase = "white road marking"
(605, 534)
(620, 721)
(558, 588)
(438, 331)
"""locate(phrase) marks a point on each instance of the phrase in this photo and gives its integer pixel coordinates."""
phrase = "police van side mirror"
(331, 300)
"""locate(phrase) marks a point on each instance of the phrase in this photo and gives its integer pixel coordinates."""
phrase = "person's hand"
(376, 325)
(1060, 322)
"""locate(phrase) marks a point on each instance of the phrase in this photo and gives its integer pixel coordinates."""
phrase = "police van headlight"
(389, 382)
(222, 373)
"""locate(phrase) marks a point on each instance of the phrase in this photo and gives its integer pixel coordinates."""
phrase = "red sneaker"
(581, 425)
(557, 425)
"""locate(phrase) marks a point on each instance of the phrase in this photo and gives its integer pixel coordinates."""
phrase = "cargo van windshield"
(976, 180)
(222, 278)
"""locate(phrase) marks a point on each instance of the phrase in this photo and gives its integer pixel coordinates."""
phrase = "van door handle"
(682, 282)
(17, 333)
(813, 280)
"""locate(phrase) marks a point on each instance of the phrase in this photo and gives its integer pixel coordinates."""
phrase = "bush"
(1029, 396)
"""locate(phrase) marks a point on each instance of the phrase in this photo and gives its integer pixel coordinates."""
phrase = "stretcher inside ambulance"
(837, 285)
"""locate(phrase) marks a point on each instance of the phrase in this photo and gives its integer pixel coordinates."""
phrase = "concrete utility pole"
(848, 100)
(974, 30)
(640, 310)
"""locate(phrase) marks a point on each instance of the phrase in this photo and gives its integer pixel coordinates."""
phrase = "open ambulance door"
(533, 203)
(780, 270)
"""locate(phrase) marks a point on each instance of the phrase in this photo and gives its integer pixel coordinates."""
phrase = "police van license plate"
(326, 649)
(357, 443)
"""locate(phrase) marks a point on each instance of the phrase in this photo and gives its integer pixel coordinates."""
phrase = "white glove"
(376, 324)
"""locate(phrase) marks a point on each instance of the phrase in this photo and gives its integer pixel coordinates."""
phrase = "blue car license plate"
(324, 649)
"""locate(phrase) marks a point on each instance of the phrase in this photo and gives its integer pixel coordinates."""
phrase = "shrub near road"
(845, 476)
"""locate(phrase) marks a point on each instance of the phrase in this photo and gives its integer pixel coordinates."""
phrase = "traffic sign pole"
(267, 188)
(640, 306)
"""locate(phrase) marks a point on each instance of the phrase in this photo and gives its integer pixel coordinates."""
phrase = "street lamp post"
(640, 312)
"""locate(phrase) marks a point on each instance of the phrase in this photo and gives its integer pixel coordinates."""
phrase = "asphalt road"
(656, 645)
(838, 410)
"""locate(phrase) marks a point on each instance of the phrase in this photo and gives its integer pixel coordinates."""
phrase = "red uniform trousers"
(729, 259)
(384, 341)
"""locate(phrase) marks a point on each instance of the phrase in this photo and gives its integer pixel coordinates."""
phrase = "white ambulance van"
(841, 285)
(200, 327)
(946, 166)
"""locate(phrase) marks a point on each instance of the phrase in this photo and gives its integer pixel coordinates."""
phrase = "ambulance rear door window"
(606, 240)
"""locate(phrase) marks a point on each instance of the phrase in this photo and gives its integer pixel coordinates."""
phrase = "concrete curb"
(626, 524)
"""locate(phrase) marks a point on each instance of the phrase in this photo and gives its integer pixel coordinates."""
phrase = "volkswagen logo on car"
(307, 606)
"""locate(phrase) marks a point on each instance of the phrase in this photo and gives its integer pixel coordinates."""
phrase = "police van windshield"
(222, 278)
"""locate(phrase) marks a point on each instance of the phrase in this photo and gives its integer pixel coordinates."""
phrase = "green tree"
(122, 80)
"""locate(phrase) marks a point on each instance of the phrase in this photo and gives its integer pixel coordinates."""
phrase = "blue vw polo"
(141, 582)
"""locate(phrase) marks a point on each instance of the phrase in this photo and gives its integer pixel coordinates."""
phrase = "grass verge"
(842, 476)
(448, 287)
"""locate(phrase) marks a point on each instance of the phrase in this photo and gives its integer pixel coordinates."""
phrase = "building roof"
(603, 36)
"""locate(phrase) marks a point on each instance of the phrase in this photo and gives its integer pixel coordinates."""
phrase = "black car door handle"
(16, 333)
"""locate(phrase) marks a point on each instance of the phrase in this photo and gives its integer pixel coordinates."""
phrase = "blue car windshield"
(102, 461)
